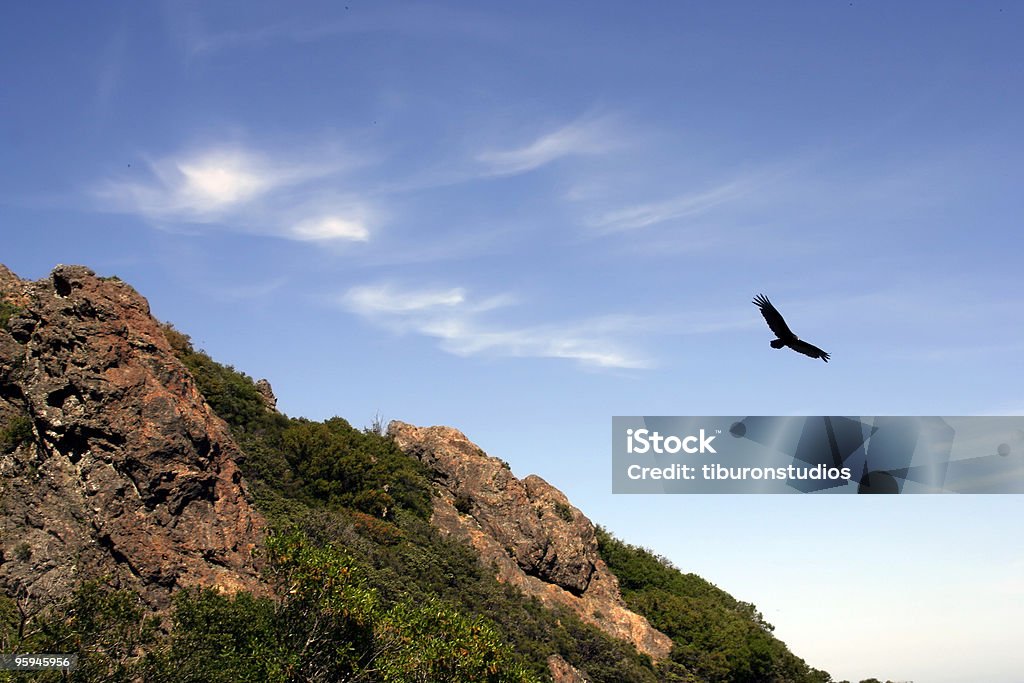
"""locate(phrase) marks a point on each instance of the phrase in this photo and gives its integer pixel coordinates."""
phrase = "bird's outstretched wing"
(774, 319)
(811, 350)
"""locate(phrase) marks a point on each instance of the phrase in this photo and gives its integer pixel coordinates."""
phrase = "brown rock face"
(564, 672)
(267, 392)
(527, 528)
(124, 470)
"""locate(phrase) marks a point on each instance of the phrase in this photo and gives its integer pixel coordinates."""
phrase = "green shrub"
(23, 552)
(374, 529)
(17, 431)
(108, 629)
(180, 342)
(231, 394)
(318, 463)
(7, 310)
(431, 641)
(564, 511)
(341, 466)
(716, 637)
(218, 638)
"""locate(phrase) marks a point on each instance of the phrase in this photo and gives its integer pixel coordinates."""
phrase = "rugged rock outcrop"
(527, 528)
(267, 392)
(564, 672)
(112, 463)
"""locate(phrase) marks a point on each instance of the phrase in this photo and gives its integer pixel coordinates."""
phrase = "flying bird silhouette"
(781, 329)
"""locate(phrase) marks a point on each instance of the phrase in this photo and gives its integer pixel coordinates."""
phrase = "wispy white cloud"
(200, 186)
(221, 179)
(683, 206)
(331, 227)
(582, 137)
(385, 299)
(388, 299)
(456, 319)
(586, 137)
(243, 189)
(726, 204)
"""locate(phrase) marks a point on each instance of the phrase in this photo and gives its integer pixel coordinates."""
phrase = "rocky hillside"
(128, 456)
(528, 529)
(113, 465)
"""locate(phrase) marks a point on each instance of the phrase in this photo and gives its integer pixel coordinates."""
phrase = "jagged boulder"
(124, 470)
(267, 393)
(538, 541)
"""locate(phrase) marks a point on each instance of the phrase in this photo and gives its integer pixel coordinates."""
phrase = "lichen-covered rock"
(538, 541)
(125, 471)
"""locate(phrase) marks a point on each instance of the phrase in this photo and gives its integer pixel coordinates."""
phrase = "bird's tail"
(778, 343)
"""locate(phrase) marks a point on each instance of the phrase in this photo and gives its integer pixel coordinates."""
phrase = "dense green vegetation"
(317, 464)
(106, 628)
(716, 637)
(328, 625)
(348, 488)
(17, 431)
(365, 589)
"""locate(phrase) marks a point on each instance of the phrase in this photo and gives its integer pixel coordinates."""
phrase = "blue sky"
(520, 219)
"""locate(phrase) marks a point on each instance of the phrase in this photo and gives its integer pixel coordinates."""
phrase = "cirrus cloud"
(242, 189)
(459, 322)
(583, 137)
